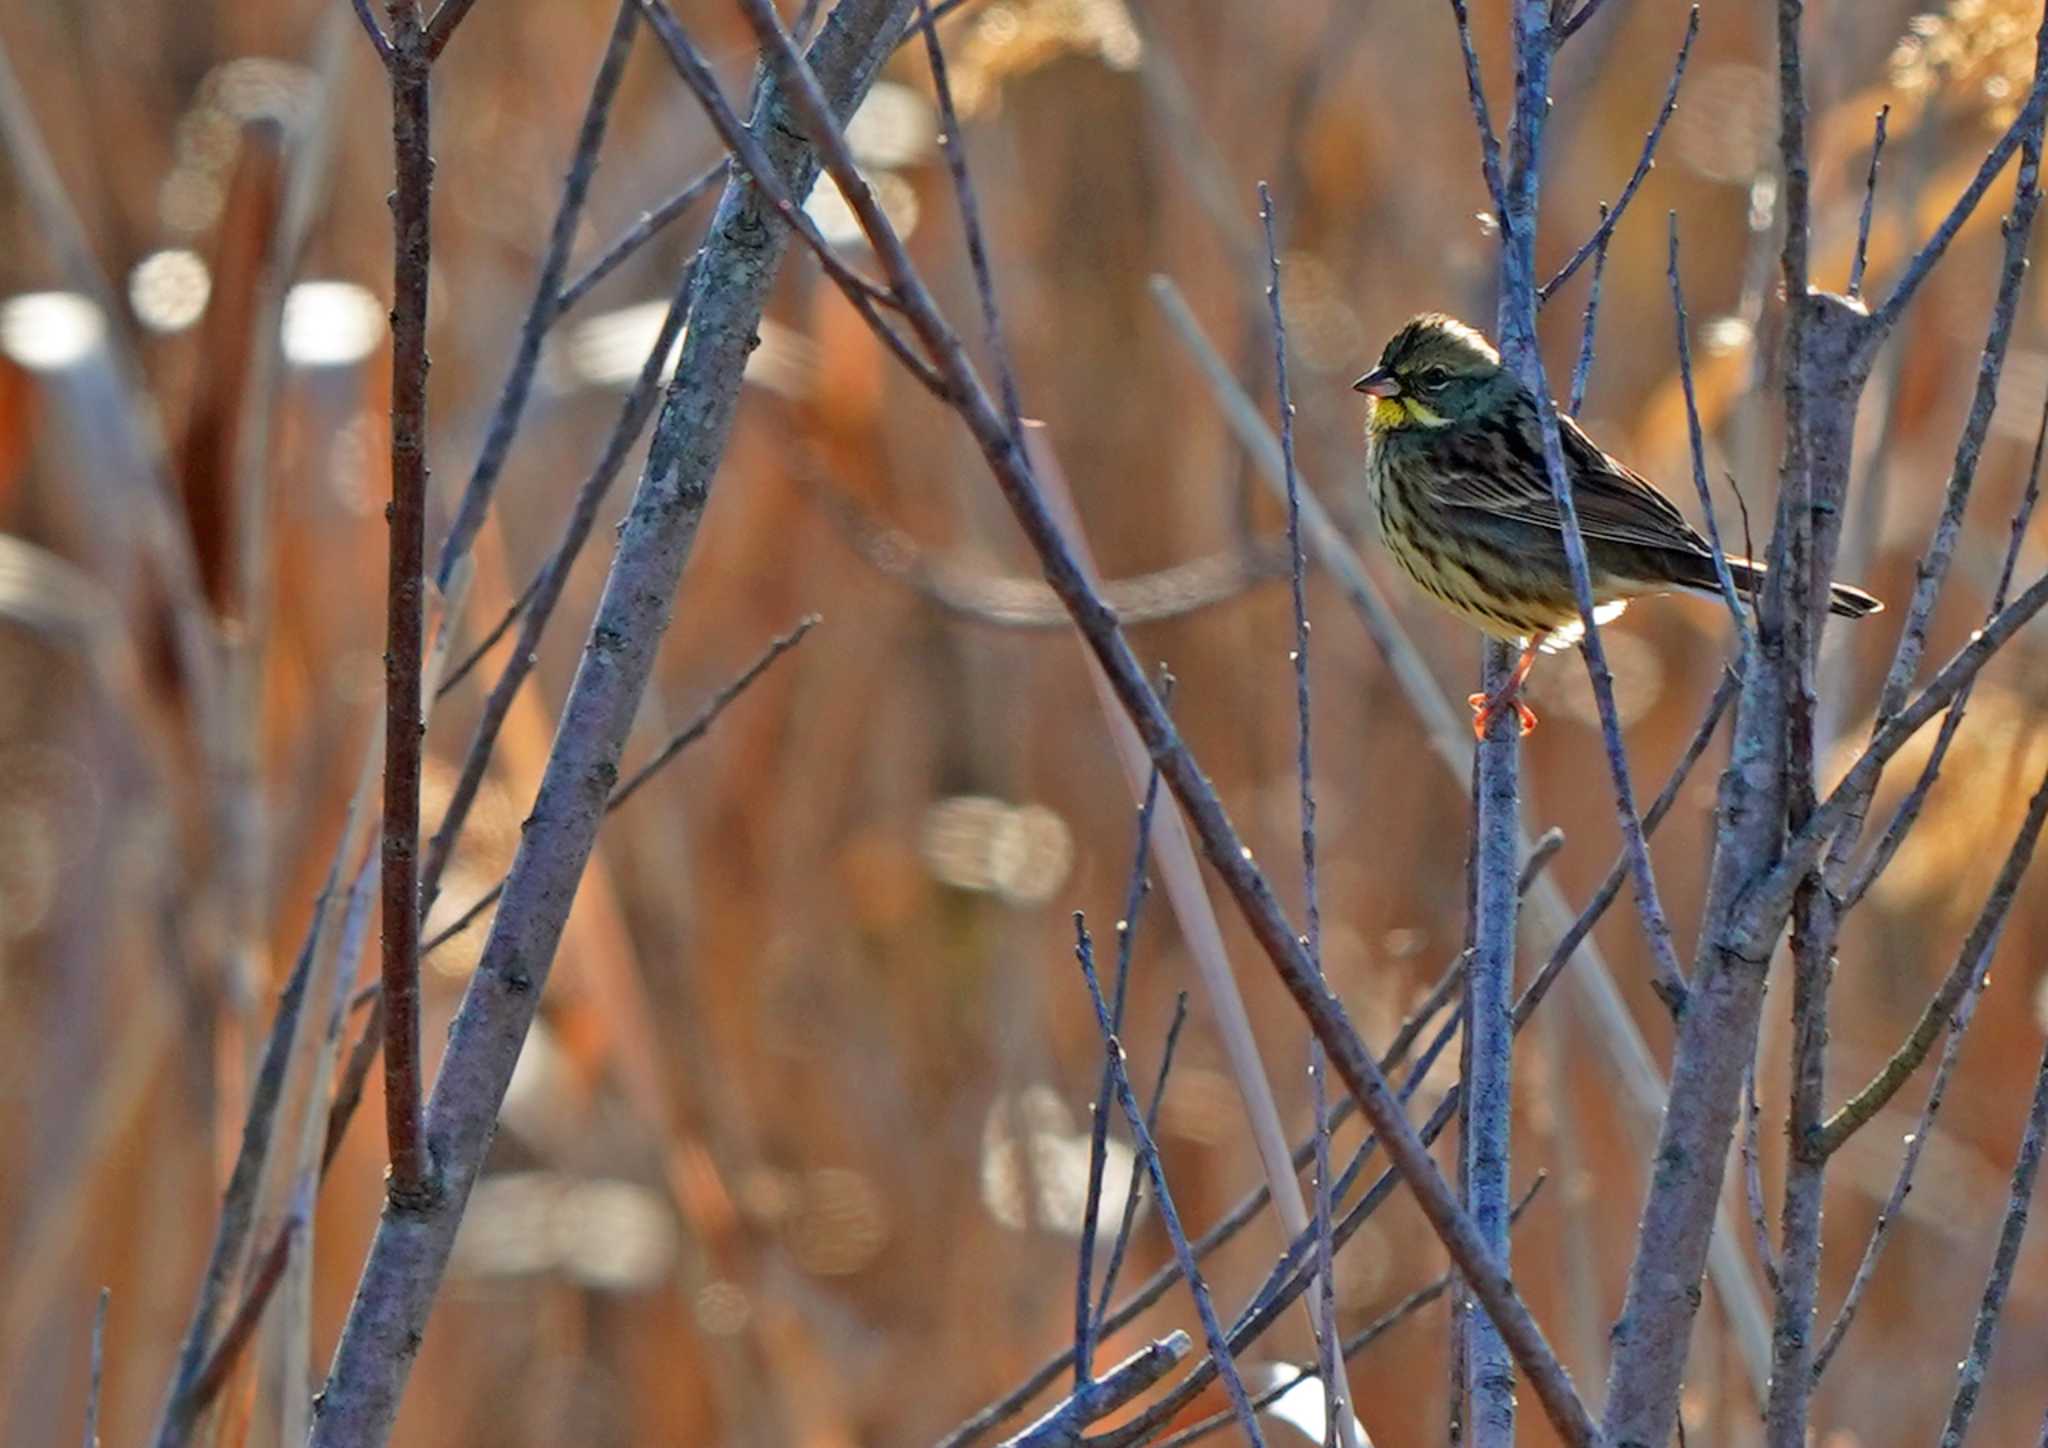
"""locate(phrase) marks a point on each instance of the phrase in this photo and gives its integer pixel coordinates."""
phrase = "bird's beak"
(1378, 383)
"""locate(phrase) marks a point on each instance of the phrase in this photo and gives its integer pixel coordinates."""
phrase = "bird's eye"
(1435, 376)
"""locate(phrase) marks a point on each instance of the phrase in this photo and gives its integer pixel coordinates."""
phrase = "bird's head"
(1435, 372)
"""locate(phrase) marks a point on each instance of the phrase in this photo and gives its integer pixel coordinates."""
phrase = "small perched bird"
(1456, 475)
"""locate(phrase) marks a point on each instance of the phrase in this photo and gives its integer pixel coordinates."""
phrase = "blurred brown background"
(760, 1181)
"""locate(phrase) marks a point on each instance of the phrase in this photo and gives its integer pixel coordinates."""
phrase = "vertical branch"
(954, 144)
(1862, 254)
(1148, 1155)
(1323, 1309)
(405, 626)
(387, 1319)
(1698, 442)
(548, 300)
(1583, 368)
(1970, 1373)
(1488, 1099)
(1817, 914)
(1098, 1138)
(92, 1389)
(1717, 1032)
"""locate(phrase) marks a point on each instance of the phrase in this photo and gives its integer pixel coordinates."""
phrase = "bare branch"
(954, 144)
(1894, 1205)
(1148, 1155)
(1066, 1425)
(379, 41)
(92, 1390)
(1010, 602)
(683, 738)
(1909, 808)
(1355, 1344)
(546, 305)
(1753, 1184)
(1583, 368)
(1971, 962)
(220, 1362)
(547, 593)
(410, 1249)
(1122, 1241)
(1475, 92)
(650, 225)
(1970, 1373)
(746, 149)
(2027, 123)
(1698, 441)
(1323, 1306)
(441, 27)
(410, 1183)
(1644, 163)
(1862, 256)
(1585, 12)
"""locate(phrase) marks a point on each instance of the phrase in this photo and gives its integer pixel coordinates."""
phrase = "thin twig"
(1753, 1183)
(379, 41)
(683, 738)
(1893, 1210)
(1862, 256)
(1354, 1345)
(1121, 1243)
(240, 1328)
(1583, 368)
(92, 1388)
(1066, 1425)
(865, 296)
(441, 28)
(1148, 1155)
(1971, 961)
(637, 235)
(638, 406)
(1571, 27)
(1908, 810)
(545, 307)
(1085, 1313)
(482, 647)
(2026, 1166)
(1226, 1228)
(1323, 1309)
(2027, 122)
(1697, 439)
(1475, 92)
(1644, 163)
(954, 144)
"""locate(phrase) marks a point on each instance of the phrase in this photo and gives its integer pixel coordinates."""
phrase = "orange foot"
(1485, 710)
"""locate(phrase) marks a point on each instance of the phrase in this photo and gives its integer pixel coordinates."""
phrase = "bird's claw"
(1486, 709)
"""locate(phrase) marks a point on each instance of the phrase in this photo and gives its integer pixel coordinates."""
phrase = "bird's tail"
(1844, 601)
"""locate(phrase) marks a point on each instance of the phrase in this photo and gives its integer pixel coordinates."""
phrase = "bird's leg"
(1485, 708)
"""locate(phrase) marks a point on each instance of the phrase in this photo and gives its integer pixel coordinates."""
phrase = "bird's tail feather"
(1844, 601)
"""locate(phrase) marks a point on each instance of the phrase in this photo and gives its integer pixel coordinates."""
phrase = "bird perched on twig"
(1456, 475)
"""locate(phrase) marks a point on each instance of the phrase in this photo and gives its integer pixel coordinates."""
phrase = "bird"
(1456, 478)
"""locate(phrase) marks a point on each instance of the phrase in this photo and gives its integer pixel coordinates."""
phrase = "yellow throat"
(1389, 413)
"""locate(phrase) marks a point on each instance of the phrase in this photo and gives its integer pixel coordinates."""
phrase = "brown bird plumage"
(1456, 475)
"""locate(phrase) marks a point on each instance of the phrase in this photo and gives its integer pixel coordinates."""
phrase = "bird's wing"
(1502, 472)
